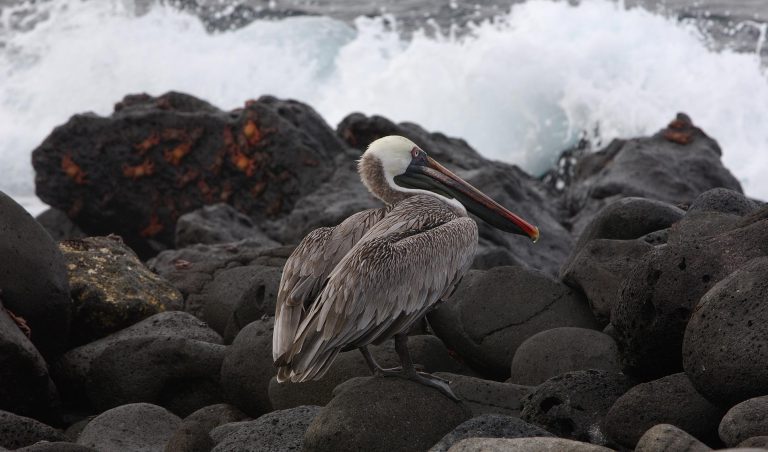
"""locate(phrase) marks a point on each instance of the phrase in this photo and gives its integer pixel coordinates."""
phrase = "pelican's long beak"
(426, 174)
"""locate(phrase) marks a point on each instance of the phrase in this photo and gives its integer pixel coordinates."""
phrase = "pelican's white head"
(394, 168)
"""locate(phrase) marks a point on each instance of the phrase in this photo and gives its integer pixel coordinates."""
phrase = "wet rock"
(26, 387)
(669, 400)
(155, 370)
(600, 269)
(218, 223)
(137, 426)
(661, 292)
(560, 350)
(675, 166)
(111, 288)
(487, 396)
(193, 434)
(573, 405)
(238, 280)
(489, 426)
(33, 279)
(427, 352)
(59, 226)
(56, 446)
(349, 423)
(248, 367)
(492, 312)
(19, 431)
(155, 158)
(278, 431)
(524, 445)
(665, 437)
(756, 442)
(724, 351)
(72, 370)
(746, 420)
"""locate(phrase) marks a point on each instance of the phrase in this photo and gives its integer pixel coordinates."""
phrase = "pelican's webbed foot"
(435, 382)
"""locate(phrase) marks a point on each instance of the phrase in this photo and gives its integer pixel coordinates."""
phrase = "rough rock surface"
(228, 285)
(665, 437)
(661, 292)
(59, 226)
(573, 405)
(487, 396)
(669, 400)
(492, 312)
(26, 387)
(725, 351)
(757, 442)
(111, 288)
(489, 426)
(33, 279)
(675, 166)
(278, 431)
(56, 446)
(560, 350)
(218, 223)
(427, 352)
(248, 367)
(524, 445)
(155, 158)
(194, 432)
(138, 426)
(71, 371)
(349, 423)
(19, 431)
(746, 420)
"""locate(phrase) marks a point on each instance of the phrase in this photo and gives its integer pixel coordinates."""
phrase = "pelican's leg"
(410, 372)
(376, 369)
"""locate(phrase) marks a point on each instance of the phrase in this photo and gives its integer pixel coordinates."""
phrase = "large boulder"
(669, 400)
(661, 292)
(278, 431)
(111, 288)
(573, 405)
(194, 432)
(71, 371)
(155, 158)
(138, 426)
(560, 350)
(489, 426)
(492, 312)
(487, 396)
(217, 223)
(675, 165)
(33, 278)
(725, 350)
(26, 387)
(384, 414)
(746, 420)
(19, 431)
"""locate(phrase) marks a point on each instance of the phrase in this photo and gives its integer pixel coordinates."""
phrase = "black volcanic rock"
(489, 426)
(725, 350)
(407, 416)
(59, 226)
(137, 426)
(217, 223)
(155, 158)
(492, 312)
(669, 400)
(19, 431)
(193, 434)
(33, 278)
(666, 437)
(747, 419)
(661, 292)
(573, 405)
(278, 431)
(675, 165)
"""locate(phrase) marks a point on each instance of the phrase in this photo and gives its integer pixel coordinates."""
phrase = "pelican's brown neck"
(372, 174)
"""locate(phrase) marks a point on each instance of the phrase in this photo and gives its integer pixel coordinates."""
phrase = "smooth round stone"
(137, 426)
(489, 426)
(745, 420)
(524, 445)
(666, 437)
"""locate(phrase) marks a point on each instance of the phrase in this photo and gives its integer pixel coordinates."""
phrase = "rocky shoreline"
(137, 313)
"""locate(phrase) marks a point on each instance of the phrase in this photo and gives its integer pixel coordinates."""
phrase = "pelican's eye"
(415, 152)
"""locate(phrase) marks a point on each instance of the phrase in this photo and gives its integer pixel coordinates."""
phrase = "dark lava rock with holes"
(489, 426)
(155, 158)
(217, 223)
(745, 420)
(278, 431)
(137, 426)
(669, 400)
(725, 350)
(492, 312)
(662, 291)
(33, 278)
(573, 405)
(19, 431)
(407, 416)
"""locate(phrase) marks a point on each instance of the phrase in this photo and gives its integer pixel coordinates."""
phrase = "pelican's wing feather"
(306, 272)
(389, 279)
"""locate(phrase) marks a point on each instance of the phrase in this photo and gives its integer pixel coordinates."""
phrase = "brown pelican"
(378, 272)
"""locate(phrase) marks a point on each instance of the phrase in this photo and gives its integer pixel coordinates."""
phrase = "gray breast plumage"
(366, 280)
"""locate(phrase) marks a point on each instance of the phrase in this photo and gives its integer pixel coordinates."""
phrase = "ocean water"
(520, 88)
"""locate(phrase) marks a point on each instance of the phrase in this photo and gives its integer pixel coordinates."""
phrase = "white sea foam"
(519, 90)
